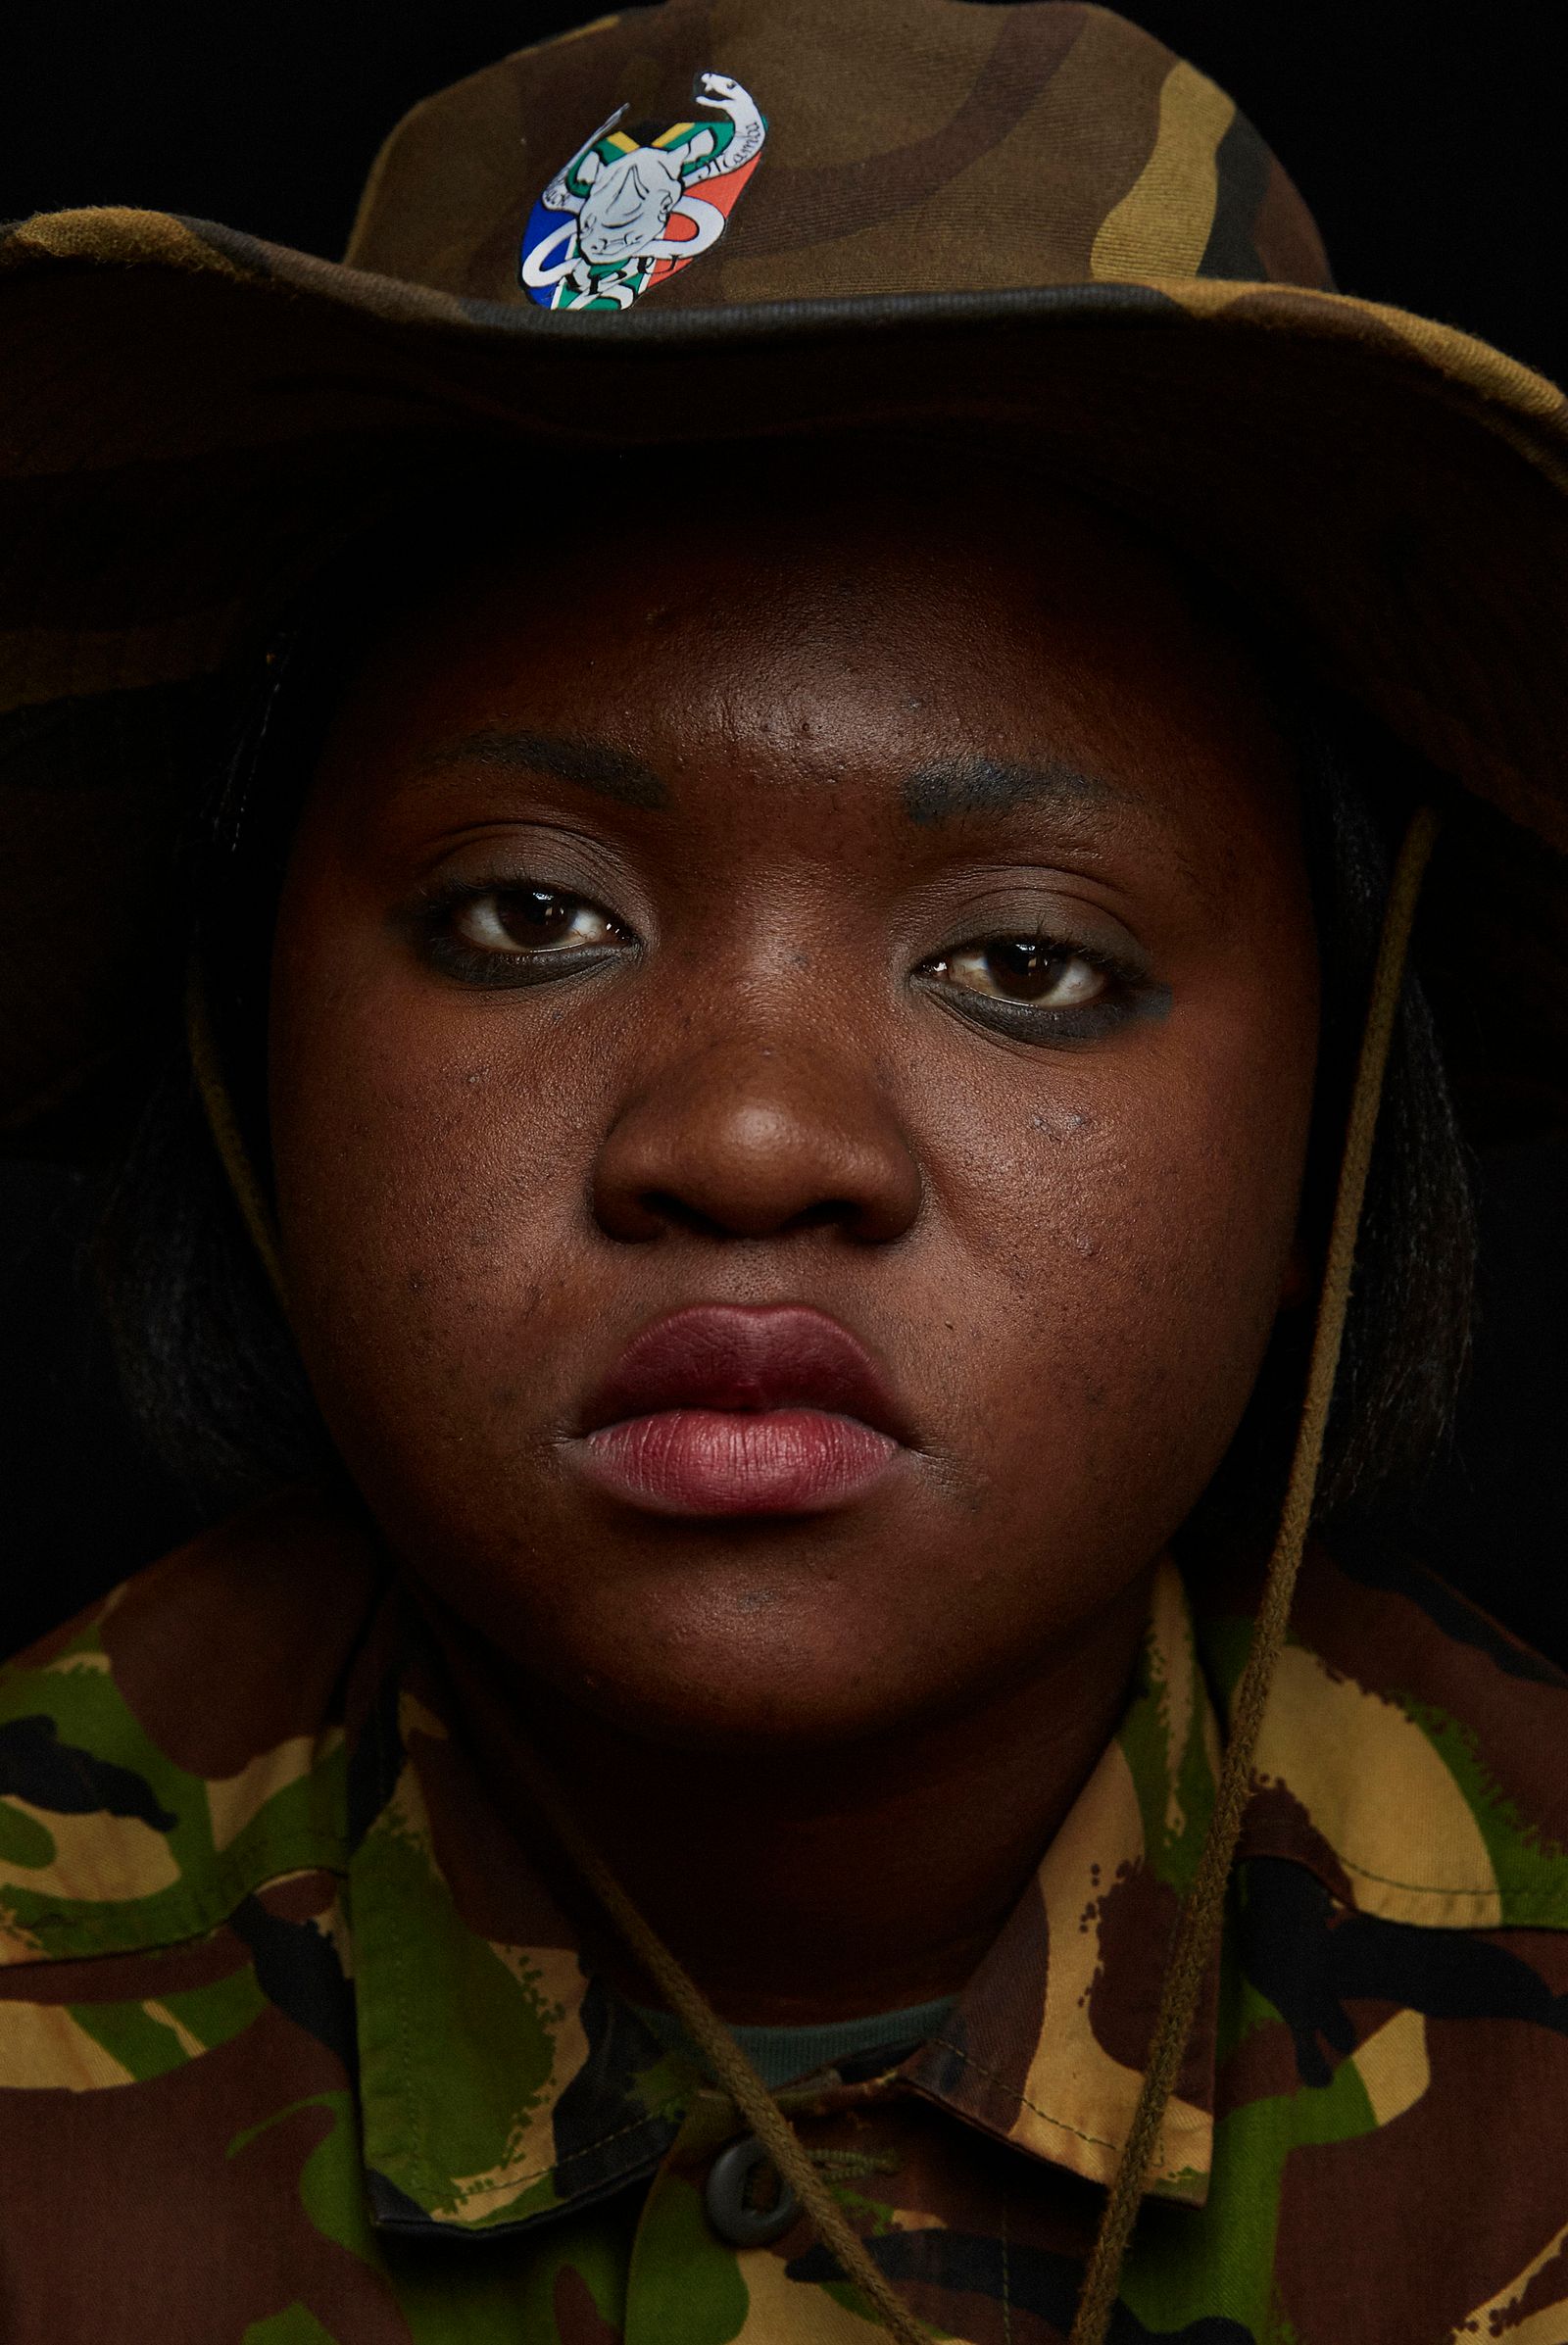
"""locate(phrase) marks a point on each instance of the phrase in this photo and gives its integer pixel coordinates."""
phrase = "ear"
(589, 169)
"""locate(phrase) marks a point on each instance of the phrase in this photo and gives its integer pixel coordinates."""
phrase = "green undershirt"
(781, 2054)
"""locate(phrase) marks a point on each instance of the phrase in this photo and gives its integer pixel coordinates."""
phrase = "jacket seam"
(1099, 2141)
(665, 2111)
(104, 1932)
(1495, 1893)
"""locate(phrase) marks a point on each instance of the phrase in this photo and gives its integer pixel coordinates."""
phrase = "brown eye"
(514, 920)
(1033, 969)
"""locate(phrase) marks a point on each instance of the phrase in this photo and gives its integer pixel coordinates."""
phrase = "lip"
(742, 1410)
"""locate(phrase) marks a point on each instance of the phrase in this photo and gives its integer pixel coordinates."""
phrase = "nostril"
(831, 1212)
(663, 1209)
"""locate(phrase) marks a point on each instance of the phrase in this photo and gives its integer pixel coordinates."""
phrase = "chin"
(750, 1666)
(738, 1712)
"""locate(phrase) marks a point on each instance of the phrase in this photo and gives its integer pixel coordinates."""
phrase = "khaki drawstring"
(1202, 1914)
(706, 2030)
(1203, 1911)
(727, 2062)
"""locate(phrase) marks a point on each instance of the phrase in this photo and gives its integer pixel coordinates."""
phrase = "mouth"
(737, 1409)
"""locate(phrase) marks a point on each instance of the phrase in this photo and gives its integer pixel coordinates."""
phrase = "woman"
(758, 1089)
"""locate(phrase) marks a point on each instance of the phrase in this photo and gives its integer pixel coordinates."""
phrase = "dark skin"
(794, 802)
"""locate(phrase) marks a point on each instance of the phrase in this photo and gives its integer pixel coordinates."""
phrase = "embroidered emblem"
(623, 217)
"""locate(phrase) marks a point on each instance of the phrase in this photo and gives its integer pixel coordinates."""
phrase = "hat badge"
(622, 214)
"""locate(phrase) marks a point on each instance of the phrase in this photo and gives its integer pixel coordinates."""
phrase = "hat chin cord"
(1202, 1910)
(1202, 1914)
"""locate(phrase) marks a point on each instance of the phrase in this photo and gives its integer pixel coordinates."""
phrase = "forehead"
(845, 606)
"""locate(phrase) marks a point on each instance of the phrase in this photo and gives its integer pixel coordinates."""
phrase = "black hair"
(206, 1355)
(1407, 1335)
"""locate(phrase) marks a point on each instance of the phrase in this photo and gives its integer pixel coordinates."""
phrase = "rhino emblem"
(621, 216)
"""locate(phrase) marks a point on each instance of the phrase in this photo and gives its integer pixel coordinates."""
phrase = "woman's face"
(793, 1035)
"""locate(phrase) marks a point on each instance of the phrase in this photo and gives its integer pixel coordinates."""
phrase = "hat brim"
(193, 422)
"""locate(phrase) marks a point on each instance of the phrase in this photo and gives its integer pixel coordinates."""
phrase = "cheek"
(431, 1183)
(1130, 1243)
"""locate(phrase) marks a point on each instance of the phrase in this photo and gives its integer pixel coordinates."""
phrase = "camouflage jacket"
(298, 2044)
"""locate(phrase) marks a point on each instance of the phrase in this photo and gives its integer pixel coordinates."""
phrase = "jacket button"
(748, 2201)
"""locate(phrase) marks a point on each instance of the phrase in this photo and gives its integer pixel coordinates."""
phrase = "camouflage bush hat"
(754, 216)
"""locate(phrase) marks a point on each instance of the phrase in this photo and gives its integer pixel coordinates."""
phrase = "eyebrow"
(592, 765)
(983, 786)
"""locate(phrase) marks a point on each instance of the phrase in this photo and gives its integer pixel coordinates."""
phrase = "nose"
(747, 1141)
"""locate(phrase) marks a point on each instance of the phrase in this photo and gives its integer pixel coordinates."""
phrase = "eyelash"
(1130, 991)
(437, 941)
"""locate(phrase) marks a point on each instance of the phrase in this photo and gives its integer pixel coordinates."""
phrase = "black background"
(1429, 142)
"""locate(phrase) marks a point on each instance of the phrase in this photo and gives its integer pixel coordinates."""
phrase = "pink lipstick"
(737, 1409)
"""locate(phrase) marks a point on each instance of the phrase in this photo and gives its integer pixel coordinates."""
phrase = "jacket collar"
(1045, 2047)
(1407, 1762)
(1408, 1769)
(503, 2079)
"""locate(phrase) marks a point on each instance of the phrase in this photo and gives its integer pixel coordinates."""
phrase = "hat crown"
(830, 147)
